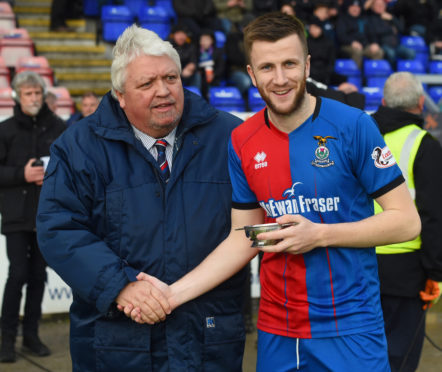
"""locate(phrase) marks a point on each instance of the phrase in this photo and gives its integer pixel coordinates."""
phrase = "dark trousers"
(405, 331)
(26, 266)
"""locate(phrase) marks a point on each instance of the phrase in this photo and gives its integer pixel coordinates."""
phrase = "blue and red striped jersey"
(329, 169)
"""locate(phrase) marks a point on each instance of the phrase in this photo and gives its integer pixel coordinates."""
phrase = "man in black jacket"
(409, 272)
(24, 143)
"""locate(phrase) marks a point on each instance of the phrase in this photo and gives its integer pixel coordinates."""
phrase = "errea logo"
(260, 158)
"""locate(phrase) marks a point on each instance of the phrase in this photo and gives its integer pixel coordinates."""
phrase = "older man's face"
(31, 99)
(153, 96)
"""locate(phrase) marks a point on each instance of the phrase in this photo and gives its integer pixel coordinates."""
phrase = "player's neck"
(288, 123)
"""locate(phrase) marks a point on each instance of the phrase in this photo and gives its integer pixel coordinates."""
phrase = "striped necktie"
(161, 159)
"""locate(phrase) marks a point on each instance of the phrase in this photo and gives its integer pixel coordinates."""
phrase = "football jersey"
(328, 170)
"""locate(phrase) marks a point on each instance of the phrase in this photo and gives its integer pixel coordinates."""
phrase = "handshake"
(148, 300)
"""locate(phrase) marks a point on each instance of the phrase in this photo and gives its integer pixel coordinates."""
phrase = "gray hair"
(402, 90)
(134, 42)
(26, 78)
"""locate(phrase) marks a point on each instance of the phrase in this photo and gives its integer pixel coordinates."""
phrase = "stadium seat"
(39, 64)
(220, 38)
(373, 98)
(350, 69)
(435, 67)
(155, 18)
(15, 44)
(7, 16)
(167, 4)
(134, 6)
(435, 93)
(6, 103)
(91, 8)
(65, 103)
(414, 66)
(380, 67)
(417, 43)
(5, 75)
(226, 99)
(256, 102)
(115, 20)
(376, 72)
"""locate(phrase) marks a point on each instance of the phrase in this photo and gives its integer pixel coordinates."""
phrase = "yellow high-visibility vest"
(403, 143)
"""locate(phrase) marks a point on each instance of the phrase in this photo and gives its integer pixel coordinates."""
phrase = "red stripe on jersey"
(265, 159)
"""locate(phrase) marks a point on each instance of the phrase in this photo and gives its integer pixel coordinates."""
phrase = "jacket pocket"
(122, 345)
(223, 335)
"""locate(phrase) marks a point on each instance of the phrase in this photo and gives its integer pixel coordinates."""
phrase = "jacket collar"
(390, 119)
(28, 121)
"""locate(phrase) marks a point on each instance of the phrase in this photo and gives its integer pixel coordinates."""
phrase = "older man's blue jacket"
(105, 215)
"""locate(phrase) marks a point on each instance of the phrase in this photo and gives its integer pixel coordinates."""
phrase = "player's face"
(153, 96)
(279, 70)
(31, 99)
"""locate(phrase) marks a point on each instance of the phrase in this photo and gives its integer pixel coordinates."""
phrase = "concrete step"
(77, 89)
(64, 38)
(40, 24)
(65, 52)
(33, 8)
(86, 76)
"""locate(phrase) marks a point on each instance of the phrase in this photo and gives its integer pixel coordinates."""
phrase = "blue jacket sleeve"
(70, 230)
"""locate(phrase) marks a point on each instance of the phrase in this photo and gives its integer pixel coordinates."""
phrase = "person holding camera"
(24, 139)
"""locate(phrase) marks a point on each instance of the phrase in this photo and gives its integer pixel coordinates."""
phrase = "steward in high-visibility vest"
(409, 272)
(403, 144)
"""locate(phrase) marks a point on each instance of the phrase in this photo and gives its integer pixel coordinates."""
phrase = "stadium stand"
(38, 64)
(155, 18)
(115, 19)
(5, 75)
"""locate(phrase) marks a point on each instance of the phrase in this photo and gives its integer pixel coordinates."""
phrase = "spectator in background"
(236, 61)
(351, 34)
(231, 11)
(434, 35)
(51, 101)
(384, 29)
(211, 63)
(61, 10)
(416, 14)
(88, 105)
(321, 10)
(188, 52)
(24, 139)
(322, 52)
(409, 272)
(264, 6)
(197, 15)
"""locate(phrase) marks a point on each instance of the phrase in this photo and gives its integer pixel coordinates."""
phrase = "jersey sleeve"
(242, 195)
(373, 162)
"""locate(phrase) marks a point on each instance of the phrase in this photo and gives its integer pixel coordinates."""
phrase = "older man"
(24, 138)
(142, 185)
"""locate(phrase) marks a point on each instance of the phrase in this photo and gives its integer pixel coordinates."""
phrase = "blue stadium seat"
(414, 66)
(380, 67)
(256, 102)
(226, 99)
(91, 8)
(115, 19)
(373, 98)
(220, 38)
(155, 18)
(167, 4)
(435, 67)
(350, 69)
(376, 81)
(435, 93)
(134, 5)
(417, 43)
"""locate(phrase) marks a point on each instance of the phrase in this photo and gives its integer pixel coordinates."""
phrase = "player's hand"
(297, 239)
(431, 294)
(143, 302)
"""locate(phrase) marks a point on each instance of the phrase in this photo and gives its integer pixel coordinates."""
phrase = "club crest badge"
(383, 158)
(322, 153)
